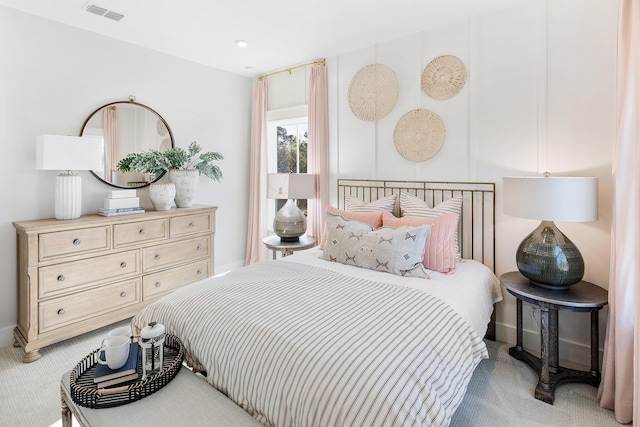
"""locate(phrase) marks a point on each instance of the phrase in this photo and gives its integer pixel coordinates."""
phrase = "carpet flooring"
(500, 392)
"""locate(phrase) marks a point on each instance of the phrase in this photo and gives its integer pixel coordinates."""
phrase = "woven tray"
(85, 393)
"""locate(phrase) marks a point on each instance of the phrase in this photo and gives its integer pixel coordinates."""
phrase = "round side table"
(287, 248)
(581, 297)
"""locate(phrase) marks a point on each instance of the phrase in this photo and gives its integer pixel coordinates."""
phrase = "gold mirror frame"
(137, 128)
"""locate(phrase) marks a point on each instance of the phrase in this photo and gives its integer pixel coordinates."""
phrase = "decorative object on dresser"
(444, 77)
(373, 92)
(290, 222)
(68, 153)
(126, 127)
(184, 167)
(121, 202)
(77, 276)
(419, 135)
(162, 195)
(546, 256)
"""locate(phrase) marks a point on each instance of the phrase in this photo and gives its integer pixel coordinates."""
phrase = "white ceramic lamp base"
(290, 222)
(68, 196)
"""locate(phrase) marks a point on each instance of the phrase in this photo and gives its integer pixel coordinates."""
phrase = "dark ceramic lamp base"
(549, 259)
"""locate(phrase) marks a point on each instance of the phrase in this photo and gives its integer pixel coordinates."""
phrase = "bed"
(304, 341)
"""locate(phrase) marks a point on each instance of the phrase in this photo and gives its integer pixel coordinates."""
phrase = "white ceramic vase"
(186, 181)
(162, 195)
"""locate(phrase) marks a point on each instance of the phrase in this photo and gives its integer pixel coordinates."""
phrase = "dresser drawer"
(139, 232)
(60, 277)
(156, 284)
(73, 242)
(186, 225)
(161, 256)
(69, 309)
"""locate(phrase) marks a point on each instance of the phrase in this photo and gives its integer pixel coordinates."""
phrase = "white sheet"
(474, 306)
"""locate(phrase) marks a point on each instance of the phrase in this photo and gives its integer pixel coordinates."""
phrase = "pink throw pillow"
(440, 250)
(374, 219)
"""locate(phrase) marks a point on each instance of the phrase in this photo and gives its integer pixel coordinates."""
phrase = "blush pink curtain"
(111, 132)
(318, 155)
(621, 363)
(257, 227)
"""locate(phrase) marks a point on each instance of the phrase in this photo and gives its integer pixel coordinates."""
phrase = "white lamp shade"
(564, 199)
(62, 152)
(291, 186)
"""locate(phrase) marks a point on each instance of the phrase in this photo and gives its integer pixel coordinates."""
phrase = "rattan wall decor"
(373, 92)
(444, 77)
(419, 135)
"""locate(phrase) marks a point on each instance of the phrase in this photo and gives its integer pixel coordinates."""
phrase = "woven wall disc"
(419, 135)
(373, 92)
(444, 77)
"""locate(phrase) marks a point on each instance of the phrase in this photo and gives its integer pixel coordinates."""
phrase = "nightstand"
(287, 248)
(581, 297)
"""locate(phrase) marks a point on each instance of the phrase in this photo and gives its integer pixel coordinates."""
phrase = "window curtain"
(621, 363)
(318, 155)
(111, 142)
(257, 227)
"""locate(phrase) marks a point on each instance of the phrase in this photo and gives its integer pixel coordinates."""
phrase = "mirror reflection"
(126, 127)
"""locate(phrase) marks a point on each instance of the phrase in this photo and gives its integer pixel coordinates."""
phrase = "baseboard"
(222, 269)
(6, 336)
(572, 353)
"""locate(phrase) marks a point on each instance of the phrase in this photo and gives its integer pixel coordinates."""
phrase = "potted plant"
(184, 168)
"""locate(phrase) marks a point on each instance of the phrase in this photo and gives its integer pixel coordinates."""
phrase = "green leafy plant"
(157, 162)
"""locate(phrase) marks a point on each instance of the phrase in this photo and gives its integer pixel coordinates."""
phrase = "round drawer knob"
(61, 312)
(61, 278)
(199, 272)
(123, 294)
(123, 264)
(157, 256)
(192, 224)
(141, 232)
(158, 284)
(76, 242)
(199, 247)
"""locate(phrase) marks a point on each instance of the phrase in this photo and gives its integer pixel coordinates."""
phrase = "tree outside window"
(292, 154)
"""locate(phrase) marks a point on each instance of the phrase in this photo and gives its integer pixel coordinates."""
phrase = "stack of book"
(121, 202)
(106, 377)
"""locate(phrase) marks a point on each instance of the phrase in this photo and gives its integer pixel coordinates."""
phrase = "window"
(287, 152)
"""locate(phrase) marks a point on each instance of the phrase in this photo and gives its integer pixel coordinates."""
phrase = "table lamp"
(546, 256)
(290, 222)
(68, 153)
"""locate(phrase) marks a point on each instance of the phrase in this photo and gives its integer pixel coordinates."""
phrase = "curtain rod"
(290, 69)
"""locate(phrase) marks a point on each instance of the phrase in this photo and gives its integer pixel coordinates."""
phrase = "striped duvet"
(299, 345)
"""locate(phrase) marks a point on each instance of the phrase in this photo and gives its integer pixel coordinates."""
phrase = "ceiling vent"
(101, 11)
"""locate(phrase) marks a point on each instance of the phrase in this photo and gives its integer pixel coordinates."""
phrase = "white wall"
(53, 76)
(539, 97)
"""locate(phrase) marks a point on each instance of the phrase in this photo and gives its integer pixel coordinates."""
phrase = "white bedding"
(306, 342)
(471, 290)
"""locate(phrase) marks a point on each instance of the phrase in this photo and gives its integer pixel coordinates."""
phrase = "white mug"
(124, 331)
(116, 351)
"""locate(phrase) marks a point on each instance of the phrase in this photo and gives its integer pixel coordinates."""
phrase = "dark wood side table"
(581, 297)
(287, 248)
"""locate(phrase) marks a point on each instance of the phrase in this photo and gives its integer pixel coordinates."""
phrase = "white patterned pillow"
(415, 207)
(354, 204)
(398, 251)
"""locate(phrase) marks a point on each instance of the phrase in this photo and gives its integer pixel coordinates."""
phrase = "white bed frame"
(477, 228)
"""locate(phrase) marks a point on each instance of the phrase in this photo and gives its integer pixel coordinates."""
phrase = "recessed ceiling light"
(242, 43)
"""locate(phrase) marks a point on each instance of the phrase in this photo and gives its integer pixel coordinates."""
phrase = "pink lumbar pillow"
(440, 251)
(374, 219)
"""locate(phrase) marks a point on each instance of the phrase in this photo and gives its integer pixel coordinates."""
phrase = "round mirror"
(126, 127)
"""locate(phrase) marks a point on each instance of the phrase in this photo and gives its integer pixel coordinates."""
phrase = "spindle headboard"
(477, 220)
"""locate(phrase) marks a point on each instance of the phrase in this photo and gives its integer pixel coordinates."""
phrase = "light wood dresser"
(78, 275)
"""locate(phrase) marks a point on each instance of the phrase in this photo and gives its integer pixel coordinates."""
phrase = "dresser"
(79, 275)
